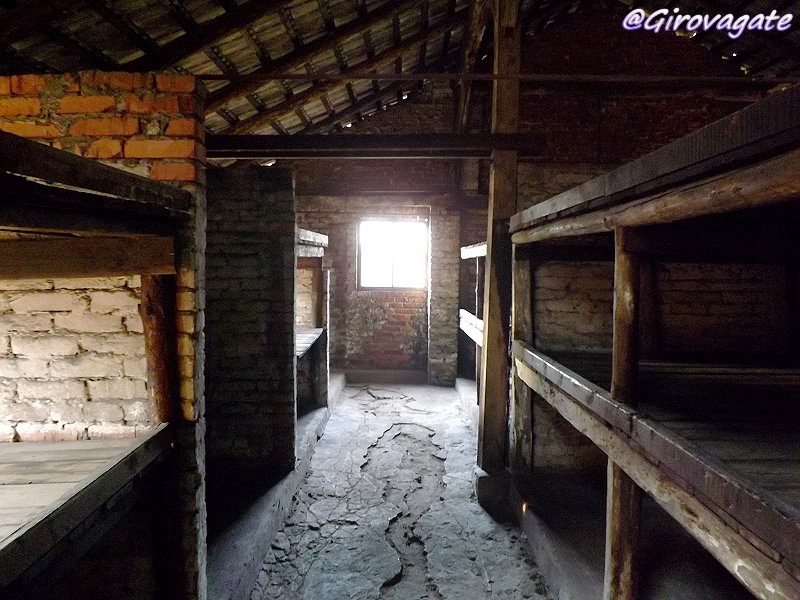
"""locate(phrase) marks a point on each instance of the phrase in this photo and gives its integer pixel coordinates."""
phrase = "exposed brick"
(108, 302)
(11, 107)
(22, 367)
(175, 82)
(86, 365)
(51, 390)
(148, 104)
(135, 367)
(103, 412)
(133, 324)
(52, 432)
(26, 284)
(105, 148)
(105, 126)
(183, 128)
(5, 85)
(31, 130)
(46, 301)
(109, 431)
(115, 80)
(117, 389)
(63, 410)
(86, 104)
(27, 323)
(32, 411)
(183, 171)
(115, 343)
(7, 433)
(43, 346)
(160, 149)
(27, 85)
(89, 323)
(90, 283)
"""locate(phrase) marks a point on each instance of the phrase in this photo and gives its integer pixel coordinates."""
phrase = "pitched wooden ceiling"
(284, 66)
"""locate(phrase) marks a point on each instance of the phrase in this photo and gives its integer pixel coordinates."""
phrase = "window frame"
(394, 219)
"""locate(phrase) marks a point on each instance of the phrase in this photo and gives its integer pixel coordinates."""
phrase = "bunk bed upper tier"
(745, 160)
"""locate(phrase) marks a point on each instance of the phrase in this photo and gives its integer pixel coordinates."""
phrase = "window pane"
(393, 254)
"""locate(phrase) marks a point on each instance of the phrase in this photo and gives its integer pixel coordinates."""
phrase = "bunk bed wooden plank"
(26, 158)
(471, 325)
(763, 129)
(770, 182)
(304, 339)
(311, 238)
(86, 257)
(474, 251)
(763, 576)
(65, 506)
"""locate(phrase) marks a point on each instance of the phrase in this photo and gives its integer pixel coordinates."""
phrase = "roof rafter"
(309, 51)
(478, 18)
(380, 60)
(205, 35)
(31, 16)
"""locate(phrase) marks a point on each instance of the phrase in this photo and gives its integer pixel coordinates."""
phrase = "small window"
(393, 254)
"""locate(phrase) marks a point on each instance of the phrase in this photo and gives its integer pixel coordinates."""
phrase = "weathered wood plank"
(765, 578)
(24, 157)
(311, 238)
(763, 184)
(473, 251)
(471, 325)
(520, 443)
(495, 367)
(763, 129)
(158, 312)
(86, 257)
(59, 518)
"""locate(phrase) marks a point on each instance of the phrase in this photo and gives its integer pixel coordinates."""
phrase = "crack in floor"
(387, 511)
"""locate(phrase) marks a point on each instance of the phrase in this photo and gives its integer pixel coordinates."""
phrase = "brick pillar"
(251, 362)
(150, 124)
(443, 320)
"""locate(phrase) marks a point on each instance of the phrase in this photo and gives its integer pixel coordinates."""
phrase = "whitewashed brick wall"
(72, 362)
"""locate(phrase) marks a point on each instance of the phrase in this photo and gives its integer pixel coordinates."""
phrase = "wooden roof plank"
(303, 55)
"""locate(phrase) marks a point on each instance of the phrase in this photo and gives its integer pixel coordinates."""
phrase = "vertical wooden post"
(494, 389)
(623, 497)
(521, 435)
(157, 309)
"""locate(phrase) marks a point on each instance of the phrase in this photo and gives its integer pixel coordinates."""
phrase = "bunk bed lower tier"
(717, 448)
(58, 498)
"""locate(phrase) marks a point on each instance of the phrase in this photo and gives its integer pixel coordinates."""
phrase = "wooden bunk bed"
(715, 444)
(311, 327)
(471, 316)
(83, 219)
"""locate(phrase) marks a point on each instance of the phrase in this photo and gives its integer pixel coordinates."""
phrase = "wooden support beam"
(473, 35)
(157, 309)
(471, 325)
(623, 497)
(416, 145)
(520, 451)
(308, 52)
(495, 366)
(314, 93)
(85, 257)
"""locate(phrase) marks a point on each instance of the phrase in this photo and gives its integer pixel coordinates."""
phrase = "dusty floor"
(388, 510)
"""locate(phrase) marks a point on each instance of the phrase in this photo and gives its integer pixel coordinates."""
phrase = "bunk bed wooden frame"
(89, 220)
(748, 160)
(472, 323)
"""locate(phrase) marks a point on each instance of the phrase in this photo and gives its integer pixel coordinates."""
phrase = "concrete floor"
(388, 510)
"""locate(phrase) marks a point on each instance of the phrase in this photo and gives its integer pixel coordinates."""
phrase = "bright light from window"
(393, 254)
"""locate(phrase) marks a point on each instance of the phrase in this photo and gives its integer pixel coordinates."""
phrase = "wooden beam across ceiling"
(424, 145)
(315, 92)
(205, 34)
(478, 18)
(280, 66)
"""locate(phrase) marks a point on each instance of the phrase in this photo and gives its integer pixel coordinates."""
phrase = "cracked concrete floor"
(388, 510)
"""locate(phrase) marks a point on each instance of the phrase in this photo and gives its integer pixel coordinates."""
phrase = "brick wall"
(732, 312)
(149, 124)
(73, 363)
(305, 295)
(250, 369)
(443, 328)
